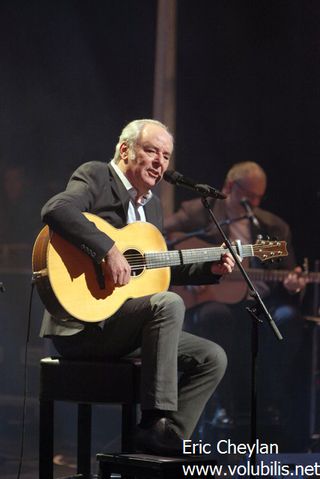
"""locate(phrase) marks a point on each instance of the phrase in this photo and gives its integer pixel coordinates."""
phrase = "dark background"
(73, 73)
(248, 89)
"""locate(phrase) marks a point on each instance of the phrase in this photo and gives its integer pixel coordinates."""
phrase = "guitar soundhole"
(136, 261)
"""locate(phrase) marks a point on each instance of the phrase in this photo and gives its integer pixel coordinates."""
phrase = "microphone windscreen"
(171, 176)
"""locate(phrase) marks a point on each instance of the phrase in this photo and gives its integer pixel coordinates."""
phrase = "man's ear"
(124, 151)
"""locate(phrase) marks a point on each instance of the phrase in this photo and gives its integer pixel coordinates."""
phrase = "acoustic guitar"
(70, 283)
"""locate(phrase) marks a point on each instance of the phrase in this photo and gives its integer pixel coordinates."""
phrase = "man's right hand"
(116, 267)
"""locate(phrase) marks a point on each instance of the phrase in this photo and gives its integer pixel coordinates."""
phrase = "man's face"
(145, 163)
(252, 187)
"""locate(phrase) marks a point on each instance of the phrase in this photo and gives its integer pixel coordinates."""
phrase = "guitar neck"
(188, 256)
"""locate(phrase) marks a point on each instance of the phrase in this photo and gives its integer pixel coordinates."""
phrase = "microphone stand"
(255, 311)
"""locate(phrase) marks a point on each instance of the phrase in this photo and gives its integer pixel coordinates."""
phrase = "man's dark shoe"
(160, 439)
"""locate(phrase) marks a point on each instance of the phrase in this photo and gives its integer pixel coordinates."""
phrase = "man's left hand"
(224, 266)
(295, 281)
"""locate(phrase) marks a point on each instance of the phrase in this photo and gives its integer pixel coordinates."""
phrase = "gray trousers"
(180, 371)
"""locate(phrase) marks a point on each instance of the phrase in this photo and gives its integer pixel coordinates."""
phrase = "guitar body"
(66, 277)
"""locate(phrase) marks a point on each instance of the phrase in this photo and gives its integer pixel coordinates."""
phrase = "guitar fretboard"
(187, 256)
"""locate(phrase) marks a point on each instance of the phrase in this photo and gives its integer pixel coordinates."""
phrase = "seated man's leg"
(165, 350)
(202, 364)
(162, 318)
(216, 322)
(154, 323)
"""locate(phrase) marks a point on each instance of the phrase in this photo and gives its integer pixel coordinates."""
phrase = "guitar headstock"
(266, 249)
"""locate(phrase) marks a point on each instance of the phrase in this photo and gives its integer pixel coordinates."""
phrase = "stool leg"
(84, 439)
(46, 432)
(105, 472)
(129, 421)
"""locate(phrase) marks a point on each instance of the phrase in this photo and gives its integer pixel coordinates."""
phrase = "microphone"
(250, 214)
(176, 178)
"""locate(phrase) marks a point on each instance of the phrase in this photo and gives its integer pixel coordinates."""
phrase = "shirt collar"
(128, 186)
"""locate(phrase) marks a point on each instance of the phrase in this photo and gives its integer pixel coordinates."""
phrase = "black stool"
(144, 466)
(85, 382)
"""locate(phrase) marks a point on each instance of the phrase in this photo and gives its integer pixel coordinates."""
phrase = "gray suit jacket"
(95, 187)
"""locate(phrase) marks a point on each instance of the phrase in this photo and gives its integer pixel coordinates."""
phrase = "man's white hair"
(131, 133)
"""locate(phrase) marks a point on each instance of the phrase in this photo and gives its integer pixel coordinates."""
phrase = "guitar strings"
(138, 261)
(197, 253)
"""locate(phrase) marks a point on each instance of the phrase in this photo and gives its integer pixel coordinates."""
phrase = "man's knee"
(217, 358)
(169, 303)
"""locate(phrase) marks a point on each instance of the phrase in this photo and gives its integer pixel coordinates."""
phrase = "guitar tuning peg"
(268, 238)
(259, 237)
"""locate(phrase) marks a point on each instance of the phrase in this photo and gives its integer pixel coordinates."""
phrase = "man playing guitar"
(119, 193)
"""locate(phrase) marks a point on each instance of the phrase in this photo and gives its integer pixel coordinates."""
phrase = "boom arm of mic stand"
(261, 307)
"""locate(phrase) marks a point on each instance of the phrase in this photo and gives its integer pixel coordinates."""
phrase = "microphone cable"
(25, 384)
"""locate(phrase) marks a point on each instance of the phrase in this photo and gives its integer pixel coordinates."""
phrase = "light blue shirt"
(136, 208)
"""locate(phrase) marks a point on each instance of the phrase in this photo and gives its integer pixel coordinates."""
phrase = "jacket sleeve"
(196, 273)
(63, 212)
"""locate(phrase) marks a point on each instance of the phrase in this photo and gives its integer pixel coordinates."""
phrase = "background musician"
(218, 313)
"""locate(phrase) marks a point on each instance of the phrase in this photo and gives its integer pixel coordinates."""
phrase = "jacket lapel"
(119, 190)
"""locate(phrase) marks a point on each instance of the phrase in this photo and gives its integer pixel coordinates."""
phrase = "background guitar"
(232, 288)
